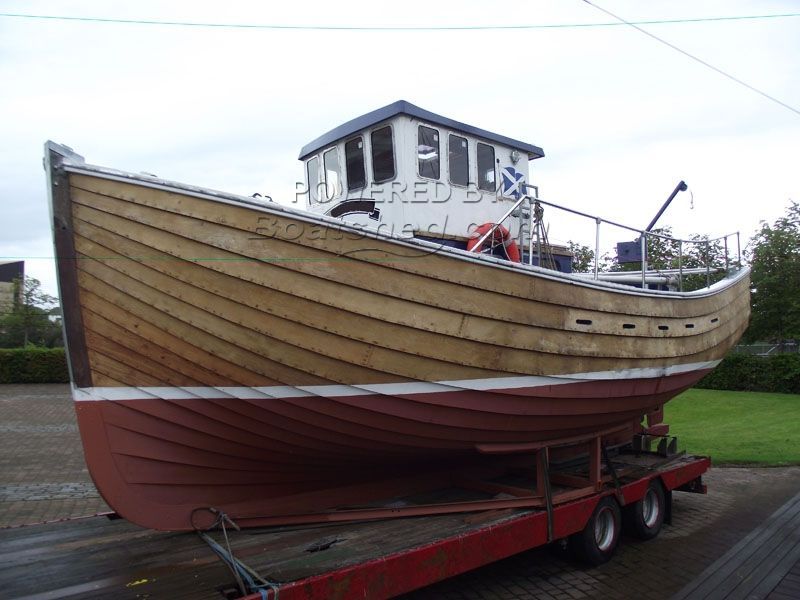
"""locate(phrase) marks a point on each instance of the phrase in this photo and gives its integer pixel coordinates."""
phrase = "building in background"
(10, 271)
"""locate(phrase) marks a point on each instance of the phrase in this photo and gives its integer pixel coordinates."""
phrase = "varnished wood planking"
(416, 290)
(223, 307)
(234, 292)
(111, 367)
(189, 371)
(231, 304)
(217, 369)
(93, 288)
(362, 364)
(434, 266)
(697, 326)
(163, 372)
(320, 266)
(280, 287)
(319, 315)
(102, 380)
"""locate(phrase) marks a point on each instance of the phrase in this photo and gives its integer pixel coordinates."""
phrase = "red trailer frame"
(422, 565)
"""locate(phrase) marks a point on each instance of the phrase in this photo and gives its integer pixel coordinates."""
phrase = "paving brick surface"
(43, 478)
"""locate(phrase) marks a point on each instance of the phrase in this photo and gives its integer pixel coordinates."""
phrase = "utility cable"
(400, 28)
(695, 58)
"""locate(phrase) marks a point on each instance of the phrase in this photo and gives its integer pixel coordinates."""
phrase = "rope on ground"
(248, 579)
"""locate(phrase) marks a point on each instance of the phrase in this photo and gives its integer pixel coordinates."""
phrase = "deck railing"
(644, 276)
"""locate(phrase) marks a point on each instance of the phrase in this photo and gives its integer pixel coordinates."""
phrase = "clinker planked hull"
(251, 357)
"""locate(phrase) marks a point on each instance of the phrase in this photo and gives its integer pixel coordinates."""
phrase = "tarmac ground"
(43, 478)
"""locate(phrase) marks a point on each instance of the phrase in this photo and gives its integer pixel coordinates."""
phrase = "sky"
(621, 117)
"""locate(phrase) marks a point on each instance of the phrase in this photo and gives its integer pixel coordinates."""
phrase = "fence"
(788, 347)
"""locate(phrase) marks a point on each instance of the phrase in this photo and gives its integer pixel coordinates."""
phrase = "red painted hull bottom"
(158, 463)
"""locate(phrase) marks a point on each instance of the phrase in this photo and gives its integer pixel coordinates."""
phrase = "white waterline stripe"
(413, 387)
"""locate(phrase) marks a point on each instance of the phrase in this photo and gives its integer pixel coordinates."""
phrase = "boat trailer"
(524, 509)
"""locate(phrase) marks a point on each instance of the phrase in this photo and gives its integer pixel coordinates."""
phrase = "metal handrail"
(643, 236)
(485, 236)
(634, 229)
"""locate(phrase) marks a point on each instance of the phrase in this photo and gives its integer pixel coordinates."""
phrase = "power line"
(695, 58)
(393, 27)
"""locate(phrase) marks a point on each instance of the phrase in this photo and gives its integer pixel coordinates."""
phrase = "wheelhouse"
(407, 171)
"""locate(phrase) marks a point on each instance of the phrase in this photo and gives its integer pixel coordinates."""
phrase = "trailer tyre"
(644, 518)
(597, 542)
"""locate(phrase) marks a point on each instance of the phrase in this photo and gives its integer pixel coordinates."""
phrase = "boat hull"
(253, 358)
(259, 455)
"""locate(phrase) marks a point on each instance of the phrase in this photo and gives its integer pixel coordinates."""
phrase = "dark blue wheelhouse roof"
(401, 107)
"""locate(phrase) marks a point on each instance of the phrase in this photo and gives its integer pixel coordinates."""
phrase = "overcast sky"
(621, 117)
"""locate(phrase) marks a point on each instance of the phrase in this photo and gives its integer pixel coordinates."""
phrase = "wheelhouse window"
(312, 170)
(486, 173)
(458, 160)
(354, 163)
(428, 152)
(333, 174)
(382, 154)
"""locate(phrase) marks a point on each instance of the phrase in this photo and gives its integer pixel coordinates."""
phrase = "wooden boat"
(243, 355)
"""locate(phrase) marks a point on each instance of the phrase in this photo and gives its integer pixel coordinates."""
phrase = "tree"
(28, 321)
(583, 258)
(775, 277)
(662, 252)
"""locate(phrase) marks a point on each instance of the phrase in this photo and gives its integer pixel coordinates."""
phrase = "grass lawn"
(737, 427)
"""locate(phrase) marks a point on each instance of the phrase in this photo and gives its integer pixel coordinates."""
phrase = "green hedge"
(33, 365)
(748, 373)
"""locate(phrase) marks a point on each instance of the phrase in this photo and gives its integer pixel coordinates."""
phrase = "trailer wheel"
(597, 542)
(644, 518)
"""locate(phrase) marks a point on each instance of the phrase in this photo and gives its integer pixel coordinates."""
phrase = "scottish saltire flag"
(513, 183)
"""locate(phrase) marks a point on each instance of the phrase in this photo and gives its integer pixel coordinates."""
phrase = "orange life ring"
(501, 235)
